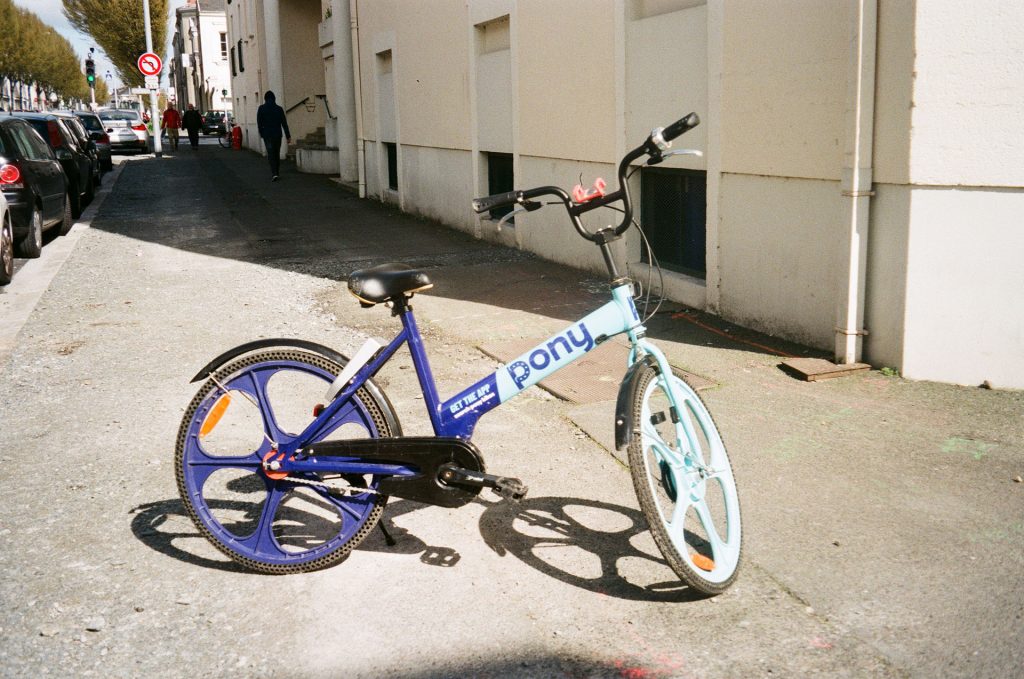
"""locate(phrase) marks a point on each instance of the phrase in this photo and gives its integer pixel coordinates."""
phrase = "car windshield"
(119, 115)
(215, 116)
(92, 123)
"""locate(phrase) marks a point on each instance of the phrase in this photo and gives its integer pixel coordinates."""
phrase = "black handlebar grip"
(684, 124)
(497, 200)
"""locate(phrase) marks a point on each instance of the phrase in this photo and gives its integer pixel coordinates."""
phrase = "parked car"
(98, 134)
(34, 185)
(127, 130)
(79, 166)
(85, 142)
(214, 123)
(6, 243)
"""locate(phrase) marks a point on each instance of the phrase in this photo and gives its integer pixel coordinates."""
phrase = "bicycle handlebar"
(658, 141)
(684, 124)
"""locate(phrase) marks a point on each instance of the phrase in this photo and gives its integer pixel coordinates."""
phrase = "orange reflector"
(216, 412)
(702, 562)
(317, 409)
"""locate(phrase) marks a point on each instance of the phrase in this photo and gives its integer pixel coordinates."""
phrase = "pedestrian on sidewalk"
(192, 122)
(270, 120)
(171, 124)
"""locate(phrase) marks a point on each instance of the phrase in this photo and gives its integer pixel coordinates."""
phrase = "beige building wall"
(245, 24)
(303, 67)
(567, 87)
(963, 318)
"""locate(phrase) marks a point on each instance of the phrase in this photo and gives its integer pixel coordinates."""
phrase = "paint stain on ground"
(956, 445)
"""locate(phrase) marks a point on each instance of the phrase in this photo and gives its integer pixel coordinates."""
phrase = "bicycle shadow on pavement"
(166, 527)
(560, 537)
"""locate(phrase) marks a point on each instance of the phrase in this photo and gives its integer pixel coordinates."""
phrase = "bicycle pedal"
(510, 489)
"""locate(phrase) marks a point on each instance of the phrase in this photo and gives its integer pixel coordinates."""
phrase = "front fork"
(686, 457)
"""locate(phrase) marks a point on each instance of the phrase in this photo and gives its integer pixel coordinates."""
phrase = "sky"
(52, 13)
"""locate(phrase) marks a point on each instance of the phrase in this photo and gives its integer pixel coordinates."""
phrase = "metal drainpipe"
(353, 13)
(857, 180)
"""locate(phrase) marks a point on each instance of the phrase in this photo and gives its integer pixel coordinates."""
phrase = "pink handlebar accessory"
(581, 195)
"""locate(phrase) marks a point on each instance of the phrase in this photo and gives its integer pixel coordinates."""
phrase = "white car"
(6, 243)
(126, 130)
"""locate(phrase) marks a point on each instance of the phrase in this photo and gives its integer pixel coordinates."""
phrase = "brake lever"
(655, 159)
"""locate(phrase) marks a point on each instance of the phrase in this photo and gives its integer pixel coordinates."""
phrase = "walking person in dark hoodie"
(270, 120)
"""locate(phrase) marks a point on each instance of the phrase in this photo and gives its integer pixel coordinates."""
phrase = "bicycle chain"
(322, 484)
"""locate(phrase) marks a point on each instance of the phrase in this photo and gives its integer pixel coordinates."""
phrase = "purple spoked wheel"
(266, 521)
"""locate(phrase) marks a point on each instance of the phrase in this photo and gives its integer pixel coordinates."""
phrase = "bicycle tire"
(683, 506)
(211, 444)
(224, 140)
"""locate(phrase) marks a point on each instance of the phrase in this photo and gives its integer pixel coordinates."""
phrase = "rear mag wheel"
(264, 520)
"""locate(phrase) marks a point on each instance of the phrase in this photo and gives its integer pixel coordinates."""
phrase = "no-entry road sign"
(150, 64)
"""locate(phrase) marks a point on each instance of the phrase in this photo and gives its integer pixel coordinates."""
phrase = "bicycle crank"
(510, 489)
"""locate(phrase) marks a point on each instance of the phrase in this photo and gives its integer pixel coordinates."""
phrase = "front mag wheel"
(685, 484)
(269, 521)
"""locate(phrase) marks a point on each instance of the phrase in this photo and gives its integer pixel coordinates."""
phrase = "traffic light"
(90, 71)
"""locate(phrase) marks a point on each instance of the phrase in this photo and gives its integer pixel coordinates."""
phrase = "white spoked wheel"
(685, 484)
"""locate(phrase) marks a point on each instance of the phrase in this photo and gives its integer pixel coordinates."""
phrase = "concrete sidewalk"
(884, 531)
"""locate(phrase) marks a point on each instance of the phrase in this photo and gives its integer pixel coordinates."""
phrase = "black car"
(34, 184)
(214, 123)
(98, 133)
(78, 158)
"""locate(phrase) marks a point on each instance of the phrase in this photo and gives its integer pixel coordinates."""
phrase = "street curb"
(21, 295)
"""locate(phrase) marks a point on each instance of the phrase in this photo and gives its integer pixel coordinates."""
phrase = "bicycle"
(224, 139)
(335, 475)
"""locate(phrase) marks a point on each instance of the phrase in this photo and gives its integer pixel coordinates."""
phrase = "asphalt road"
(884, 530)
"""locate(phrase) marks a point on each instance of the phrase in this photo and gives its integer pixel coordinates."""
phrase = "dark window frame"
(391, 153)
(673, 213)
(500, 179)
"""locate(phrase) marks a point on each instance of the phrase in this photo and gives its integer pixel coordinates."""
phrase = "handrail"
(327, 106)
(289, 110)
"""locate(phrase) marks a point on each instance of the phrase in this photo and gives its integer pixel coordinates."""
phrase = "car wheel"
(31, 245)
(67, 222)
(76, 205)
(90, 190)
(6, 251)
(108, 165)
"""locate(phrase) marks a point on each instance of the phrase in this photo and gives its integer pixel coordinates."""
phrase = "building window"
(223, 45)
(673, 213)
(392, 150)
(241, 62)
(500, 180)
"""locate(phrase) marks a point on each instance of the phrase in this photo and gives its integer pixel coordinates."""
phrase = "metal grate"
(500, 179)
(673, 211)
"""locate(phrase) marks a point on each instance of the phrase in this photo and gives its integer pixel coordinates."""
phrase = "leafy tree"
(33, 53)
(118, 27)
(102, 91)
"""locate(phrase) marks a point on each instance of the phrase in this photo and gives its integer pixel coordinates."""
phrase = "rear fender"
(375, 391)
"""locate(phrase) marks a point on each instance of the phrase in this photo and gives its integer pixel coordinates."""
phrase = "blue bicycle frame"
(457, 416)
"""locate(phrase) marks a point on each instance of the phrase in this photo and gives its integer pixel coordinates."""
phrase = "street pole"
(157, 145)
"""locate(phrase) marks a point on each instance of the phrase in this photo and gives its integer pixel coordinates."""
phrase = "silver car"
(126, 129)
